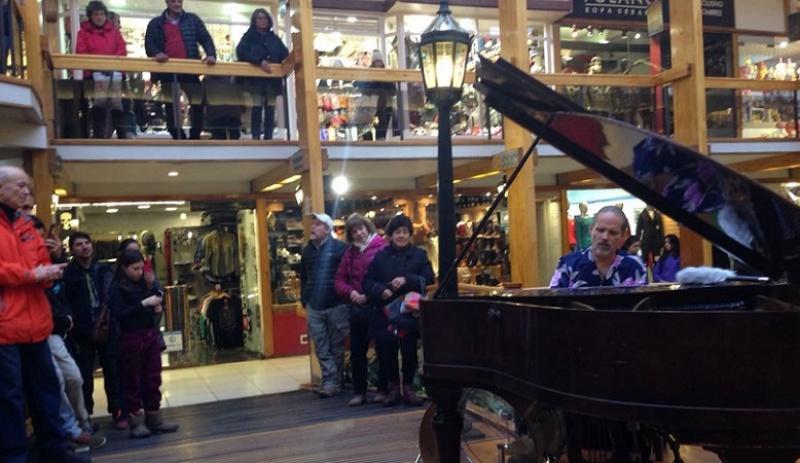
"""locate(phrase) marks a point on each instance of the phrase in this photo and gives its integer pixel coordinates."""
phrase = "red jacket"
(106, 40)
(25, 315)
(353, 267)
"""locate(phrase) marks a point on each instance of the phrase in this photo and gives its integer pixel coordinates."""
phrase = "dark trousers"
(359, 345)
(106, 120)
(85, 354)
(27, 373)
(263, 94)
(191, 86)
(388, 344)
(141, 369)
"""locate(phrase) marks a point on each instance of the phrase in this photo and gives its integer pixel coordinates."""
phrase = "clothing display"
(650, 231)
(583, 231)
(219, 258)
(224, 314)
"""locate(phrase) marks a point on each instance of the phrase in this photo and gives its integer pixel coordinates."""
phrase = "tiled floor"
(196, 385)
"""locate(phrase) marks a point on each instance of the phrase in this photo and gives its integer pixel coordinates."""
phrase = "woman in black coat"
(397, 269)
(261, 47)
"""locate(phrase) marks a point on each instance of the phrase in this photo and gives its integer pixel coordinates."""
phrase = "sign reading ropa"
(718, 13)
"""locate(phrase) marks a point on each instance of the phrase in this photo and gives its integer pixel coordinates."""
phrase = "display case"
(285, 247)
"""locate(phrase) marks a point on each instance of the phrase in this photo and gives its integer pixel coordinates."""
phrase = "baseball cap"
(324, 218)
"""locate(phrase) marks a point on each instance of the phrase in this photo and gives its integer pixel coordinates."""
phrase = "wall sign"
(719, 13)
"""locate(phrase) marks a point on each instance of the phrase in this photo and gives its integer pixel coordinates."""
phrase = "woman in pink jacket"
(99, 36)
(364, 243)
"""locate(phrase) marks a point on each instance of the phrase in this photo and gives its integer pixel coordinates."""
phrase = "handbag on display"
(364, 110)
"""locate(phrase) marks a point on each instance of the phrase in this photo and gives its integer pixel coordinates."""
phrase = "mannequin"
(598, 99)
(650, 231)
(583, 227)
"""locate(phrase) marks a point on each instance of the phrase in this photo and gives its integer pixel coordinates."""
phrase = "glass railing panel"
(634, 105)
(751, 114)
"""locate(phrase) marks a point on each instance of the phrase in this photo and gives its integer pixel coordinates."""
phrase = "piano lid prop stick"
(712, 275)
(452, 269)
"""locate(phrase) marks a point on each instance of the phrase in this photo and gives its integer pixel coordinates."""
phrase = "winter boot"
(410, 397)
(136, 425)
(155, 423)
(393, 396)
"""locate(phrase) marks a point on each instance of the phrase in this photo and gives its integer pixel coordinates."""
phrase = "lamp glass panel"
(428, 65)
(460, 64)
(444, 64)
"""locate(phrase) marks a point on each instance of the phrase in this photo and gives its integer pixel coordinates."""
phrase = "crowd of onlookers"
(177, 33)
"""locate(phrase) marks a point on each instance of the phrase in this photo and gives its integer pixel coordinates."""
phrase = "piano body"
(716, 366)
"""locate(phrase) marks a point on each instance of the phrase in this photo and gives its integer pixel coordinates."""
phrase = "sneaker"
(327, 391)
(410, 397)
(357, 400)
(378, 398)
(88, 440)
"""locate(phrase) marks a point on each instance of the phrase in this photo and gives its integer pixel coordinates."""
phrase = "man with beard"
(601, 264)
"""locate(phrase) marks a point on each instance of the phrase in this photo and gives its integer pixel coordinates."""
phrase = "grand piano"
(716, 366)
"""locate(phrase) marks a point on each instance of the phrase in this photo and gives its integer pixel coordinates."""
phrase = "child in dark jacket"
(134, 302)
(398, 269)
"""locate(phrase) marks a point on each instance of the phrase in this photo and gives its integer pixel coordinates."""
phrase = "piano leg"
(447, 423)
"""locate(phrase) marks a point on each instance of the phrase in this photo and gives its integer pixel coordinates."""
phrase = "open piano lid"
(747, 220)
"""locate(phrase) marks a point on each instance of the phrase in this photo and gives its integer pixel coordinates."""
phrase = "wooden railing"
(173, 66)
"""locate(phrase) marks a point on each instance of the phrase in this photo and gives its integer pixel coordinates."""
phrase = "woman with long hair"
(135, 304)
(669, 262)
(363, 244)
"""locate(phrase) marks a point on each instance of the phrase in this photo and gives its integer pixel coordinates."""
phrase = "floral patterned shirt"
(579, 269)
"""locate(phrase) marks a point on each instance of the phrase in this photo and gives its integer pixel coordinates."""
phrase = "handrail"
(173, 66)
(377, 74)
(751, 84)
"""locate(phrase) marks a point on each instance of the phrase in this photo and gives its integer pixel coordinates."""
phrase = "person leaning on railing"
(176, 34)
(260, 46)
(99, 36)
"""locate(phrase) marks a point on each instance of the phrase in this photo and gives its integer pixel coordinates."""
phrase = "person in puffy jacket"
(261, 47)
(363, 245)
(135, 303)
(397, 270)
(99, 36)
(26, 364)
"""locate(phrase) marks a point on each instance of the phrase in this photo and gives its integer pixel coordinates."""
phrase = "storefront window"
(346, 40)
(634, 105)
(594, 50)
(202, 254)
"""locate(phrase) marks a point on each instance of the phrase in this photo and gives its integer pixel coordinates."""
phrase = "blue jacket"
(410, 262)
(193, 30)
(318, 267)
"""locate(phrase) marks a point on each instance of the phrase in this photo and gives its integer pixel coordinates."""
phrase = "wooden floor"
(294, 427)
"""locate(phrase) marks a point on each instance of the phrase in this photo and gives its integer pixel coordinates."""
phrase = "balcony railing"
(97, 96)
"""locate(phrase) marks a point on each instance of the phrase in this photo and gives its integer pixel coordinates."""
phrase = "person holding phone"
(135, 303)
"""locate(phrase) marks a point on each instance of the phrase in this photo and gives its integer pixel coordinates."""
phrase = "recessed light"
(143, 206)
(60, 191)
(184, 216)
(351, 19)
(170, 209)
(172, 173)
(112, 211)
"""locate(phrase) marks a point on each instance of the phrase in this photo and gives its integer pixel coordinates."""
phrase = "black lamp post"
(443, 51)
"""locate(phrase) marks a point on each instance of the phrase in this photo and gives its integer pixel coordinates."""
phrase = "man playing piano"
(602, 263)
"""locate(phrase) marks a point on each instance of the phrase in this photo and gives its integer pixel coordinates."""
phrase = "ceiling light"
(783, 43)
(173, 173)
(273, 187)
(351, 19)
(340, 184)
(291, 179)
(60, 191)
(638, 35)
(374, 198)
(143, 206)
(112, 211)
(170, 209)
(184, 216)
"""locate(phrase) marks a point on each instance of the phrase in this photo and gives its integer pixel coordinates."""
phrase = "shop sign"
(718, 13)
(655, 18)
(174, 341)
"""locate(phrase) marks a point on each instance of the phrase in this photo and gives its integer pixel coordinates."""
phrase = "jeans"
(72, 409)
(141, 369)
(328, 329)
(27, 373)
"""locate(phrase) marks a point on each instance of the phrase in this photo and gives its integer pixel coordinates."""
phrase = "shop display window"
(347, 39)
(285, 247)
(596, 50)
(634, 105)
(202, 254)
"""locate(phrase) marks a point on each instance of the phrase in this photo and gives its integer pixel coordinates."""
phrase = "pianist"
(602, 263)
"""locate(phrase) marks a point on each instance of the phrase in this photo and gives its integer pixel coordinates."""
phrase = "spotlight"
(340, 184)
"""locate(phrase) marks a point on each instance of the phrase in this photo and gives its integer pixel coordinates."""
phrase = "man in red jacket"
(26, 365)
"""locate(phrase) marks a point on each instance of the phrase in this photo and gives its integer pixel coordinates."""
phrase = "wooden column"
(37, 163)
(305, 76)
(264, 276)
(39, 75)
(686, 37)
(523, 241)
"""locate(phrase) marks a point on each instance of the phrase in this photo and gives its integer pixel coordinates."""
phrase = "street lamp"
(443, 51)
